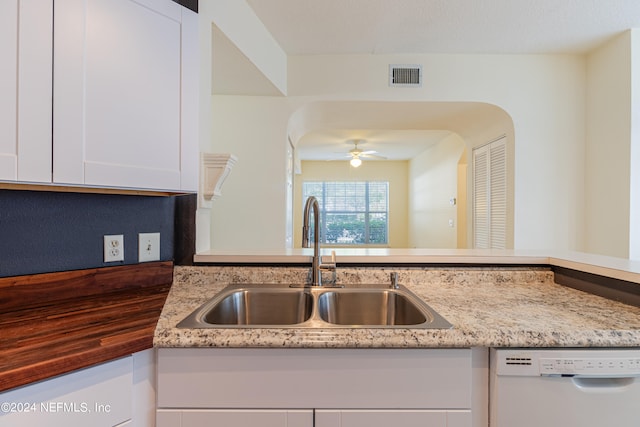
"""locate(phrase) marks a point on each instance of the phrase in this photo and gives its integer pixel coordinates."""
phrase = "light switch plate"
(148, 247)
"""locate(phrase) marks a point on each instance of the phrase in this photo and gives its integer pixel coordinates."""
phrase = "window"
(352, 212)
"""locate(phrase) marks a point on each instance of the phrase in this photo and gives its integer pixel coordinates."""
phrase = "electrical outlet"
(113, 248)
(148, 247)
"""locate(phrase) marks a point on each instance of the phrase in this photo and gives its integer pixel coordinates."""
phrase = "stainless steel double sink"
(286, 306)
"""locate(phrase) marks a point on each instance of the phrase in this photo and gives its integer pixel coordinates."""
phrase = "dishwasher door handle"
(602, 384)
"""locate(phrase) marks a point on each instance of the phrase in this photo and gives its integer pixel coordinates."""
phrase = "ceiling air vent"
(405, 75)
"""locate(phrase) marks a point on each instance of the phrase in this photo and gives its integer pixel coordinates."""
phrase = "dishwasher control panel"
(592, 366)
(584, 363)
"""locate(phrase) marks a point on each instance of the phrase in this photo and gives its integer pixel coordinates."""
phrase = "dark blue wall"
(49, 231)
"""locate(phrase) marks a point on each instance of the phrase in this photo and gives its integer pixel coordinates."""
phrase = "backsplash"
(43, 231)
(211, 278)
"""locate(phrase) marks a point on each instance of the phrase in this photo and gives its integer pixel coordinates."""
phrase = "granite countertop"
(506, 306)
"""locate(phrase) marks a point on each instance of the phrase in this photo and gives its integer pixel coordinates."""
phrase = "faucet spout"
(316, 264)
(312, 204)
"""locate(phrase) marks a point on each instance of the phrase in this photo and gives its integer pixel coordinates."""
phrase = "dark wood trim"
(184, 242)
(189, 4)
(607, 287)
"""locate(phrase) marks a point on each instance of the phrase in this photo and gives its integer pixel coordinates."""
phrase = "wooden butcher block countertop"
(55, 323)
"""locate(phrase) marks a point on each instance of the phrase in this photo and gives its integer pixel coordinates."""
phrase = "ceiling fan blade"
(373, 156)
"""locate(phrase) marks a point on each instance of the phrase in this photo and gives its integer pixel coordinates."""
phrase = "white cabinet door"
(381, 418)
(124, 76)
(25, 90)
(236, 418)
(396, 418)
(97, 396)
(309, 418)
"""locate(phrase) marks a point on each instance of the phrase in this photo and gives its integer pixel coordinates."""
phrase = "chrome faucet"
(316, 264)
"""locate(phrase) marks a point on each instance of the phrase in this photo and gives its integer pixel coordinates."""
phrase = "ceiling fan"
(357, 154)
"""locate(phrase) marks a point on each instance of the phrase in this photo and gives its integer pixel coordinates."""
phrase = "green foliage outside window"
(352, 213)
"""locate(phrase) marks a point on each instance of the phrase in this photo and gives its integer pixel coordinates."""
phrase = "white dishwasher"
(565, 388)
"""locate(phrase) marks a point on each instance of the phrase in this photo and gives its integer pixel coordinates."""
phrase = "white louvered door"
(490, 195)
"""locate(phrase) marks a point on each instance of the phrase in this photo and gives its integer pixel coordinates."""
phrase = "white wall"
(433, 181)
(237, 21)
(241, 198)
(250, 214)
(634, 212)
(544, 95)
(607, 177)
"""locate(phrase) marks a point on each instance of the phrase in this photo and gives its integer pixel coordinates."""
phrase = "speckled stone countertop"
(489, 307)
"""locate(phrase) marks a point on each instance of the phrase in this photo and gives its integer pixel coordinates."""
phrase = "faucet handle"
(394, 280)
(331, 266)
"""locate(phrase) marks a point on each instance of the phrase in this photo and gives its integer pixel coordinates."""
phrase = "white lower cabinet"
(117, 393)
(311, 418)
(96, 396)
(320, 387)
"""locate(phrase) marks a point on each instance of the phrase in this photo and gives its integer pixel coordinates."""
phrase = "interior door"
(490, 195)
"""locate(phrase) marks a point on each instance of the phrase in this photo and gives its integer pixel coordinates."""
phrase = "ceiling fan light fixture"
(355, 162)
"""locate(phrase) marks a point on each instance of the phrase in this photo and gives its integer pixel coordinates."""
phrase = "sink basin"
(367, 307)
(284, 306)
(254, 307)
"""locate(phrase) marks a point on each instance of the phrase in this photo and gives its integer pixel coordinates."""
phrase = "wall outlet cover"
(148, 247)
(113, 248)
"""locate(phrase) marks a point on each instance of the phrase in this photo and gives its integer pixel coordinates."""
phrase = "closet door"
(498, 194)
(490, 195)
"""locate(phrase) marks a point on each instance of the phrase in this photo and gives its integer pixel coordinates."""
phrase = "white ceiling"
(395, 130)
(310, 27)
(307, 27)
(334, 144)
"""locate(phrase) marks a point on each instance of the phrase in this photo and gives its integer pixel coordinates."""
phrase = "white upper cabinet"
(25, 90)
(125, 94)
